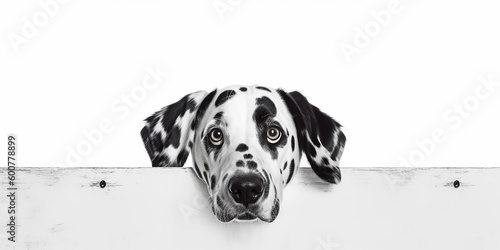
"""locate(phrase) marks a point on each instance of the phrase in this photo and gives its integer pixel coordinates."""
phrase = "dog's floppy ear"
(320, 137)
(168, 133)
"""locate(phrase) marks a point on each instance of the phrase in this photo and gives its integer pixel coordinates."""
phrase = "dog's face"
(246, 144)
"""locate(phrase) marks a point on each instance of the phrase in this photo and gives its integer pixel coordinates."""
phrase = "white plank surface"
(153, 208)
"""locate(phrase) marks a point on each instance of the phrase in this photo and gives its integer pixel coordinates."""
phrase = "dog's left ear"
(168, 133)
(320, 137)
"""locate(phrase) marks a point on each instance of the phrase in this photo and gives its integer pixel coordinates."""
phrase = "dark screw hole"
(456, 184)
(102, 184)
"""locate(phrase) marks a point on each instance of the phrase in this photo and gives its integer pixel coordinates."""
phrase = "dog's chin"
(247, 215)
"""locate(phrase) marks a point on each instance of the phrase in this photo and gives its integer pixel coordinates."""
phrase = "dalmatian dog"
(247, 143)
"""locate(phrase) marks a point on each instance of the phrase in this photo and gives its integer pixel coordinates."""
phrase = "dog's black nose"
(246, 189)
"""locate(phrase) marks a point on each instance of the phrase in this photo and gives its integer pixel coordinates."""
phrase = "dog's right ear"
(168, 133)
(320, 136)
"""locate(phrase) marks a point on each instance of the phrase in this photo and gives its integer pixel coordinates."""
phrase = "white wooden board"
(159, 208)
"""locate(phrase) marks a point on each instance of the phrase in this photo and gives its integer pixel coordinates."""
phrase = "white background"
(67, 77)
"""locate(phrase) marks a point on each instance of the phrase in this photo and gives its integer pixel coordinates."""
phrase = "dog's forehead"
(239, 103)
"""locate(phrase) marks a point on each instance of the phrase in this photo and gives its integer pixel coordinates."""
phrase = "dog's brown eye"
(216, 136)
(273, 135)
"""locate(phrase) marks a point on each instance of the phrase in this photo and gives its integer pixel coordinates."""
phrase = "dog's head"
(246, 144)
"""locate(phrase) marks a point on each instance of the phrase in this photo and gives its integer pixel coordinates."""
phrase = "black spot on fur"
(292, 169)
(182, 157)
(325, 172)
(297, 116)
(324, 161)
(173, 138)
(209, 147)
(218, 116)
(242, 148)
(251, 164)
(206, 167)
(166, 117)
(160, 160)
(202, 109)
(157, 142)
(217, 153)
(265, 108)
(240, 163)
(148, 144)
(313, 122)
(340, 144)
(312, 150)
(327, 127)
(275, 210)
(264, 116)
(284, 167)
(223, 97)
(247, 156)
(153, 119)
(263, 88)
(224, 178)
(266, 185)
(170, 113)
(293, 143)
(212, 182)
(205, 176)
(197, 169)
(316, 142)
(191, 105)
(243, 89)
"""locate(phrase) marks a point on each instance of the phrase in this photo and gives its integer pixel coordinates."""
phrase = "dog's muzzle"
(243, 197)
(246, 189)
